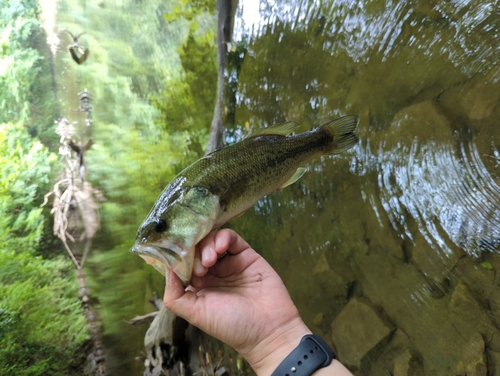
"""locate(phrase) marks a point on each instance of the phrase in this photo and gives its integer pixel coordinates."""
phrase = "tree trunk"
(225, 17)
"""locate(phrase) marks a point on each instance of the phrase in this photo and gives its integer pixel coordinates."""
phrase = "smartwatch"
(311, 354)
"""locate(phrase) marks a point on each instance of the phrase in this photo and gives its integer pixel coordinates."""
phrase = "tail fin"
(342, 131)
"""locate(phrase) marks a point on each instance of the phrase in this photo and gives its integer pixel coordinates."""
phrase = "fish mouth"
(161, 257)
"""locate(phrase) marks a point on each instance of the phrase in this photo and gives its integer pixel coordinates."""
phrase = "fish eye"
(160, 225)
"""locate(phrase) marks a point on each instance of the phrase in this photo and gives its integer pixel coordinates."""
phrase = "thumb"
(176, 299)
(173, 289)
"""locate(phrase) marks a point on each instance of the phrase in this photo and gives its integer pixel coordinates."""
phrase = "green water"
(392, 247)
(390, 251)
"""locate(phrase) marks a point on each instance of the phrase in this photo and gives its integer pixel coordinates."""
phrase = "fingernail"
(173, 289)
(218, 243)
(198, 268)
(206, 255)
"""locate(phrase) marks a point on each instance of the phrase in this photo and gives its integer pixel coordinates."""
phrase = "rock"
(493, 362)
(481, 99)
(322, 265)
(462, 303)
(420, 121)
(469, 317)
(402, 364)
(356, 330)
(434, 264)
(481, 280)
(398, 356)
(399, 340)
(473, 361)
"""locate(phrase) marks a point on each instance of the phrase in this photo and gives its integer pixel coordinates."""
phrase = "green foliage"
(17, 69)
(131, 58)
(125, 39)
(25, 167)
(24, 69)
(140, 71)
(190, 9)
(141, 166)
(41, 324)
(12, 9)
(187, 104)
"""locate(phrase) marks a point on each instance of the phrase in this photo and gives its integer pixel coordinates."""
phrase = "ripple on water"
(443, 185)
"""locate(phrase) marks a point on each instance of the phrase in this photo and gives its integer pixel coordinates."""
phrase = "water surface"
(390, 251)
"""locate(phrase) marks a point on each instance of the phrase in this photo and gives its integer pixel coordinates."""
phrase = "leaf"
(487, 265)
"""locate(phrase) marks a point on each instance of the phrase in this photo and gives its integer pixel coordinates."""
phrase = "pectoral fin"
(298, 174)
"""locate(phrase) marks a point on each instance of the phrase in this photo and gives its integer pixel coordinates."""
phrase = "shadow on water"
(390, 251)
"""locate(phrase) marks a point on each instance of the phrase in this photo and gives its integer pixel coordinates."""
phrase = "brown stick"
(147, 318)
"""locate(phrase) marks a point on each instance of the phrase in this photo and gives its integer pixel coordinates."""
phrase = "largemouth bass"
(227, 182)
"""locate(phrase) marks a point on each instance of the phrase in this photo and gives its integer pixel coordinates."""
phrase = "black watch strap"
(311, 354)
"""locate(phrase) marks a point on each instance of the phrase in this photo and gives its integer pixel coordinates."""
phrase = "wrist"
(270, 352)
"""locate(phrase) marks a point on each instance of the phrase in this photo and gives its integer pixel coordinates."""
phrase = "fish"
(226, 183)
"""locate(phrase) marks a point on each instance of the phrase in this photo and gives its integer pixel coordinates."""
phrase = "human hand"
(238, 299)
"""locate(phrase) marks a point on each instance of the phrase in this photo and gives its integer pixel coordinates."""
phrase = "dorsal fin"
(283, 129)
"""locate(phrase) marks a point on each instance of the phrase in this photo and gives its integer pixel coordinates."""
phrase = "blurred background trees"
(151, 117)
(41, 326)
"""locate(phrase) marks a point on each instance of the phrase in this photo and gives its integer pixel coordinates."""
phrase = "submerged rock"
(322, 265)
(398, 358)
(434, 264)
(463, 304)
(420, 121)
(474, 360)
(481, 99)
(356, 330)
(403, 364)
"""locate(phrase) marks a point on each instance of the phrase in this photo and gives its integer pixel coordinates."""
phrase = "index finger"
(217, 243)
(230, 241)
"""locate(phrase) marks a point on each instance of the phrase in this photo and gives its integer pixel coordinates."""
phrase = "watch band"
(311, 354)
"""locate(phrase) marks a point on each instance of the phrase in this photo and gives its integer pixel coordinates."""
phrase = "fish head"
(179, 220)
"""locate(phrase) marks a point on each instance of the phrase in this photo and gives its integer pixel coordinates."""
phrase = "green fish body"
(227, 182)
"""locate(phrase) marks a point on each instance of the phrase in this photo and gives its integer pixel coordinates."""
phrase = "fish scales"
(244, 172)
